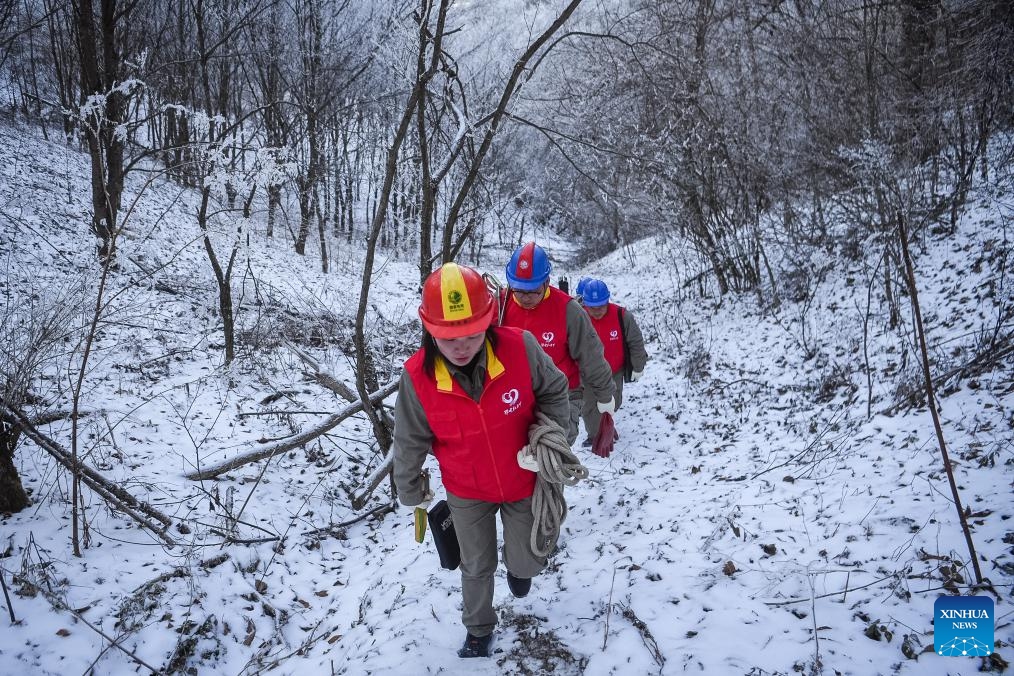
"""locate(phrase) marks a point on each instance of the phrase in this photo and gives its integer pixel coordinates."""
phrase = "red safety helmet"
(455, 302)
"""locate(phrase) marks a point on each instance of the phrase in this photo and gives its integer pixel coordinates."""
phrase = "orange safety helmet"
(455, 302)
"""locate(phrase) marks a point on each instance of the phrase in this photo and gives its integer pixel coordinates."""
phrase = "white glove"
(527, 460)
(607, 407)
(635, 376)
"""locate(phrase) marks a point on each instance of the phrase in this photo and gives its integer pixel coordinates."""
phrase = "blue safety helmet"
(596, 293)
(528, 268)
(579, 291)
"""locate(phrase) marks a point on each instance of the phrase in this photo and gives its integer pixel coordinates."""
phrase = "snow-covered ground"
(752, 520)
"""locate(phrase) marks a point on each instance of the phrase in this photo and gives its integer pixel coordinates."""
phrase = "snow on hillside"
(752, 520)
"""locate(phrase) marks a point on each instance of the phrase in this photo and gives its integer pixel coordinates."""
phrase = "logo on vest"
(513, 400)
(614, 334)
(547, 338)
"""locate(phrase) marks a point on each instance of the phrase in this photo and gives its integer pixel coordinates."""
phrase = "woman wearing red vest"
(468, 396)
(561, 327)
(622, 343)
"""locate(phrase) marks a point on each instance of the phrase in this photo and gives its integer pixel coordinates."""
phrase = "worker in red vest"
(622, 343)
(468, 396)
(561, 327)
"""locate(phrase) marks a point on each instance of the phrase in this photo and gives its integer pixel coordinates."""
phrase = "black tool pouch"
(444, 537)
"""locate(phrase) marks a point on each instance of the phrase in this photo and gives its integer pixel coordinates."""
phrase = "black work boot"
(476, 646)
(519, 586)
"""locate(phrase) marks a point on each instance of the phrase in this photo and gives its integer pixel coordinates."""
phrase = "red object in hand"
(602, 446)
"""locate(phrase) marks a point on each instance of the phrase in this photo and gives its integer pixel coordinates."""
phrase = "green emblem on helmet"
(454, 297)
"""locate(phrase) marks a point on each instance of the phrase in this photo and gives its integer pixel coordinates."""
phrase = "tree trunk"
(429, 190)
(100, 73)
(223, 278)
(13, 497)
(274, 201)
(365, 372)
(305, 213)
(322, 234)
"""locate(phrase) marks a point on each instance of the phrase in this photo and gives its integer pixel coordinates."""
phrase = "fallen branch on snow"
(333, 529)
(649, 641)
(245, 414)
(323, 378)
(60, 604)
(116, 497)
(179, 572)
(294, 441)
(843, 592)
(372, 481)
(7, 597)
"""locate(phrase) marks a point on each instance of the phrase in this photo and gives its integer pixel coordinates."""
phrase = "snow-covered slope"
(752, 520)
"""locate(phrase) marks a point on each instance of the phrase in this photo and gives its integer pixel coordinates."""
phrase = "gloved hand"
(527, 460)
(424, 505)
(607, 407)
(635, 376)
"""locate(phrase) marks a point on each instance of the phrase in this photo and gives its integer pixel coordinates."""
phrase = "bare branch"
(294, 441)
(372, 481)
(510, 89)
(118, 498)
(322, 377)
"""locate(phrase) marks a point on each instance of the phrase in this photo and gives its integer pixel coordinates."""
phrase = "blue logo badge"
(963, 626)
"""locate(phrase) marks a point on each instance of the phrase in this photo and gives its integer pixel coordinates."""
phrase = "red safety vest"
(611, 335)
(548, 323)
(476, 444)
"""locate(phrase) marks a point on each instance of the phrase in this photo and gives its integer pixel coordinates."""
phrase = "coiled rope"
(558, 467)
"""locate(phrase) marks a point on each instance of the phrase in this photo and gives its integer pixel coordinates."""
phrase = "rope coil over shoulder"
(558, 466)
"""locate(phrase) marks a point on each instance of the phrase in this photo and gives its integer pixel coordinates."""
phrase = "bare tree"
(430, 43)
(30, 336)
(493, 120)
(264, 84)
(105, 93)
(366, 378)
(331, 61)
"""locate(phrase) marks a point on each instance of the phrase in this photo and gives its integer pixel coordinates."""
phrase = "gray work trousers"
(475, 526)
(590, 408)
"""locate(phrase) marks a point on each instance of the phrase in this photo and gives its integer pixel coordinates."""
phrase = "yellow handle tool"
(420, 524)
(420, 512)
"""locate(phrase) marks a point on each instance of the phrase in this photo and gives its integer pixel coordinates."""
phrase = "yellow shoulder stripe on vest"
(494, 367)
(443, 376)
